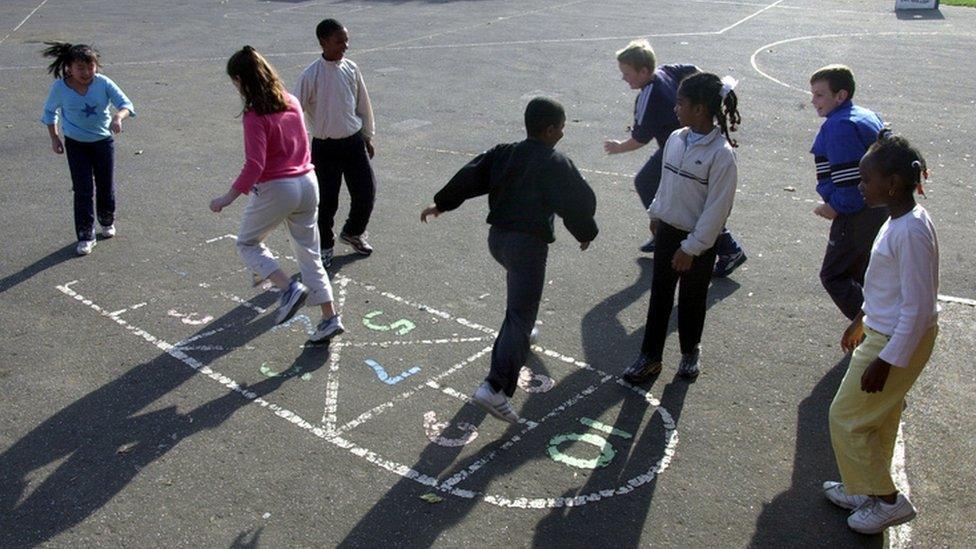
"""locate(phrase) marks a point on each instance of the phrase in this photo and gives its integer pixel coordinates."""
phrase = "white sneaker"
(834, 491)
(495, 403)
(875, 515)
(108, 231)
(85, 247)
(327, 329)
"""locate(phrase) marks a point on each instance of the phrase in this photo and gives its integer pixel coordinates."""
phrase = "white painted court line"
(468, 154)
(329, 417)
(748, 17)
(21, 24)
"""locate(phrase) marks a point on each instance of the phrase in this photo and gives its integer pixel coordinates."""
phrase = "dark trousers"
(335, 159)
(648, 179)
(91, 166)
(692, 297)
(846, 258)
(524, 257)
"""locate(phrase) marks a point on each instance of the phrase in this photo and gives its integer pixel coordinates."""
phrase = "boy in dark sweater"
(527, 184)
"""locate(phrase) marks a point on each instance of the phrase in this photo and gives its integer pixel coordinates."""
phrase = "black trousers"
(335, 159)
(92, 166)
(846, 258)
(524, 257)
(692, 297)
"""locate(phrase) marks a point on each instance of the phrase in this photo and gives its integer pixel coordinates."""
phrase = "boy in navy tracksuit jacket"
(527, 184)
(843, 139)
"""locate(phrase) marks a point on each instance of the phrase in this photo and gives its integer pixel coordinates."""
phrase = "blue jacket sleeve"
(52, 106)
(117, 96)
(844, 151)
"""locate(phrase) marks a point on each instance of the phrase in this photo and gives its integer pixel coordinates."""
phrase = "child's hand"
(57, 146)
(220, 203)
(585, 245)
(370, 150)
(611, 146)
(852, 335)
(116, 125)
(825, 211)
(681, 261)
(874, 378)
(653, 227)
(430, 211)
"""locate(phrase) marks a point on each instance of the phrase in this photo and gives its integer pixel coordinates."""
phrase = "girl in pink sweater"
(278, 175)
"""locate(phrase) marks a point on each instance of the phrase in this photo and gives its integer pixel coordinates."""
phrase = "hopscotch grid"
(671, 438)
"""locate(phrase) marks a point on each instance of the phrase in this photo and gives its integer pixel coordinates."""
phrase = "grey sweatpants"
(295, 201)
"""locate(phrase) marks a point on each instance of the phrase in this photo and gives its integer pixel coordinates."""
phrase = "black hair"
(542, 112)
(894, 155)
(326, 28)
(65, 54)
(705, 88)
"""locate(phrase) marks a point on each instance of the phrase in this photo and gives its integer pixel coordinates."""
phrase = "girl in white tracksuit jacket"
(688, 213)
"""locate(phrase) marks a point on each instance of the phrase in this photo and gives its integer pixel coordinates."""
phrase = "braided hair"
(65, 54)
(704, 88)
(894, 155)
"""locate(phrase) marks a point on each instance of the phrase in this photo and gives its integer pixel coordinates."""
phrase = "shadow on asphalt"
(53, 259)
(620, 519)
(102, 440)
(801, 516)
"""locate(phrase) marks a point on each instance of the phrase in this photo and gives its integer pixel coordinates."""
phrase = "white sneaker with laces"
(108, 231)
(874, 515)
(85, 247)
(834, 491)
(495, 403)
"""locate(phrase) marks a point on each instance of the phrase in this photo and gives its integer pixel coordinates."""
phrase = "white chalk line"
(472, 155)
(755, 54)
(748, 17)
(21, 24)
(671, 438)
(330, 414)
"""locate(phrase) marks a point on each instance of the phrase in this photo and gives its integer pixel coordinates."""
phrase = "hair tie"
(728, 84)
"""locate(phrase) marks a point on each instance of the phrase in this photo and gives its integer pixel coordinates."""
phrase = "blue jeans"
(91, 165)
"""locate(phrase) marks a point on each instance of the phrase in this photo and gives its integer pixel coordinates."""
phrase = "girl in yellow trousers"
(892, 339)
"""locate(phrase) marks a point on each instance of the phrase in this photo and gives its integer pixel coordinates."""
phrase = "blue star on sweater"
(89, 110)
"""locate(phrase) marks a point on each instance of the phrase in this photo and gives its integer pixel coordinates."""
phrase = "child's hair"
(65, 54)
(638, 54)
(261, 88)
(542, 112)
(838, 77)
(894, 155)
(705, 88)
(326, 28)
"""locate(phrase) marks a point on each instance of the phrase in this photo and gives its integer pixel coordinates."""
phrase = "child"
(843, 139)
(654, 118)
(80, 99)
(687, 215)
(333, 94)
(891, 337)
(277, 173)
(526, 183)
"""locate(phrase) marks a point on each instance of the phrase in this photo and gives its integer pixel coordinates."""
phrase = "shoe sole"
(887, 525)
(327, 338)
(359, 250)
(294, 308)
(491, 410)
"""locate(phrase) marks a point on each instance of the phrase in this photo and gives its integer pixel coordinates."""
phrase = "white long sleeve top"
(901, 284)
(333, 96)
(697, 188)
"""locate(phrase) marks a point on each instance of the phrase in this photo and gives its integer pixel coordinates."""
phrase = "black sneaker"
(728, 263)
(357, 242)
(690, 366)
(648, 247)
(642, 369)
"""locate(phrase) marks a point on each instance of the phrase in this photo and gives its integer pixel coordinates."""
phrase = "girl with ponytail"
(687, 216)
